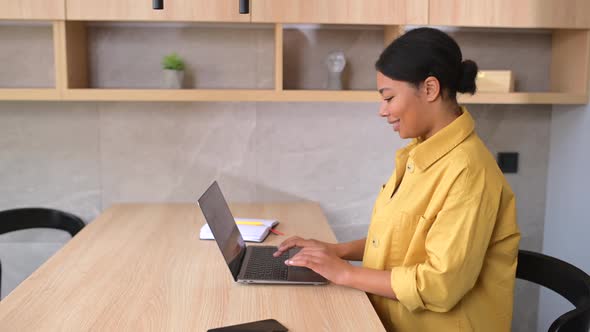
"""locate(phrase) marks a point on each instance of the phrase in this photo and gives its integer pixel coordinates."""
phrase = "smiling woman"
(416, 70)
(440, 253)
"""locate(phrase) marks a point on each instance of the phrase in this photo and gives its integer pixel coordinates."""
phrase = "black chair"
(27, 218)
(563, 278)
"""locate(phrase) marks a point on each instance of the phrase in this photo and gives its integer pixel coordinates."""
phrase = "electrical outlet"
(508, 162)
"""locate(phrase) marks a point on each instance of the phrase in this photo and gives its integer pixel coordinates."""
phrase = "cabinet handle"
(244, 6)
(158, 4)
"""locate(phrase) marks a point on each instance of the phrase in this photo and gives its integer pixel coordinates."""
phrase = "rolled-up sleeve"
(455, 245)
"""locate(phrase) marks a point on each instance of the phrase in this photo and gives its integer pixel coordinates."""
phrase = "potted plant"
(173, 66)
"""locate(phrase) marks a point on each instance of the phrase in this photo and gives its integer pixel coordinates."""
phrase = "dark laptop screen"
(223, 227)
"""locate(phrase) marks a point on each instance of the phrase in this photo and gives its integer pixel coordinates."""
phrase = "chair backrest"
(563, 278)
(27, 218)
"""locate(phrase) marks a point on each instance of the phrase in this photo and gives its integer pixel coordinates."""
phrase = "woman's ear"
(431, 88)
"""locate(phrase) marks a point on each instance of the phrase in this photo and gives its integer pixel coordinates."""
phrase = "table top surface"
(143, 267)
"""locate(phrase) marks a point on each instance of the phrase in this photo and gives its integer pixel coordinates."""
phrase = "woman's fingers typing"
(289, 243)
(296, 241)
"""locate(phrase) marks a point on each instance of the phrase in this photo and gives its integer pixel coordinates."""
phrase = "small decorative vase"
(335, 63)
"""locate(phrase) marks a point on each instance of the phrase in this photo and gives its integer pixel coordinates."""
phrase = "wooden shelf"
(524, 98)
(306, 96)
(569, 71)
(188, 95)
(30, 94)
(330, 95)
(219, 95)
(168, 95)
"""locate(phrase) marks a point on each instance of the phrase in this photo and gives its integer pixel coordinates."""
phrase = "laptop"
(249, 264)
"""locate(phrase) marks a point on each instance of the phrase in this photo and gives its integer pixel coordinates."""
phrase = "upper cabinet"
(387, 12)
(141, 10)
(32, 9)
(511, 13)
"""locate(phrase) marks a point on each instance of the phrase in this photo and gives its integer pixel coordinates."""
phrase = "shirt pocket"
(389, 236)
(402, 236)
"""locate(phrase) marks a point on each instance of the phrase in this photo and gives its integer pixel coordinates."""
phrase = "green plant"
(173, 62)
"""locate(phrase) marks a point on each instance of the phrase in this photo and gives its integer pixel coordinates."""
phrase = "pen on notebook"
(253, 223)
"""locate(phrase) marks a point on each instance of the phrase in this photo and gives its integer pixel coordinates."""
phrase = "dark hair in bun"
(468, 75)
(424, 52)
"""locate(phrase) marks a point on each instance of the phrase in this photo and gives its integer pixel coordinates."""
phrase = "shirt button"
(375, 242)
(410, 167)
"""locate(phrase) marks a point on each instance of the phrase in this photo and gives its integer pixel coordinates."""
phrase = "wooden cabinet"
(568, 20)
(141, 10)
(32, 9)
(511, 13)
(388, 12)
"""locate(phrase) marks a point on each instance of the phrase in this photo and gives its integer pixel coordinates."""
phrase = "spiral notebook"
(252, 230)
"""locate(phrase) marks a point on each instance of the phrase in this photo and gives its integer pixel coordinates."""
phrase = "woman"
(440, 253)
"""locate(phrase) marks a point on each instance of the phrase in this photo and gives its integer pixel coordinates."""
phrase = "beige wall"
(26, 56)
(82, 157)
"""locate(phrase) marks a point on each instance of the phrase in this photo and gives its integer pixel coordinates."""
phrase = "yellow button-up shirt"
(445, 226)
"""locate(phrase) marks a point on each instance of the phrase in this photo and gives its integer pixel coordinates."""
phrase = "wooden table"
(142, 267)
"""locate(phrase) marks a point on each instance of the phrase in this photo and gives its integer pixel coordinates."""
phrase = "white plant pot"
(173, 78)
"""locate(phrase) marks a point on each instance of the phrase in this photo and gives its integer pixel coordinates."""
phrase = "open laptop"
(252, 264)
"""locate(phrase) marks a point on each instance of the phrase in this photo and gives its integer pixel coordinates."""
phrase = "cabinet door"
(511, 13)
(389, 12)
(141, 10)
(32, 9)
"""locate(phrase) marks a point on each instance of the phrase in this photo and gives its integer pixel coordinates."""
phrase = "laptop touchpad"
(297, 273)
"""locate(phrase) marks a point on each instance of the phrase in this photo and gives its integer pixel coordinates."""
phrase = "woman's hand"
(324, 262)
(296, 241)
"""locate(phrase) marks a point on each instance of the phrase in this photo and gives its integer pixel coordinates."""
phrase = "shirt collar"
(425, 153)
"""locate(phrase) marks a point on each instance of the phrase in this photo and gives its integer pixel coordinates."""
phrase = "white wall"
(567, 215)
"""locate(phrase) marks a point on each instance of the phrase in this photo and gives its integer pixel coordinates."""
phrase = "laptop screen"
(224, 228)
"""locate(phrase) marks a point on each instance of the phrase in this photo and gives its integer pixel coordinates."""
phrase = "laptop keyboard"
(264, 266)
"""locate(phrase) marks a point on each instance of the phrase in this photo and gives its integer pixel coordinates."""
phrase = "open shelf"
(558, 84)
(28, 68)
(84, 53)
(303, 96)
(128, 55)
(306, 48)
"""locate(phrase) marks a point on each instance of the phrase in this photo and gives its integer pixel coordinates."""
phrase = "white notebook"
(250, 233)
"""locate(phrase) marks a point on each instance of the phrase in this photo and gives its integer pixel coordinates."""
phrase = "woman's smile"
(395, 123)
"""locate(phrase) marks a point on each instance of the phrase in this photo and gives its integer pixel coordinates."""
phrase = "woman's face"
(404, 107)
